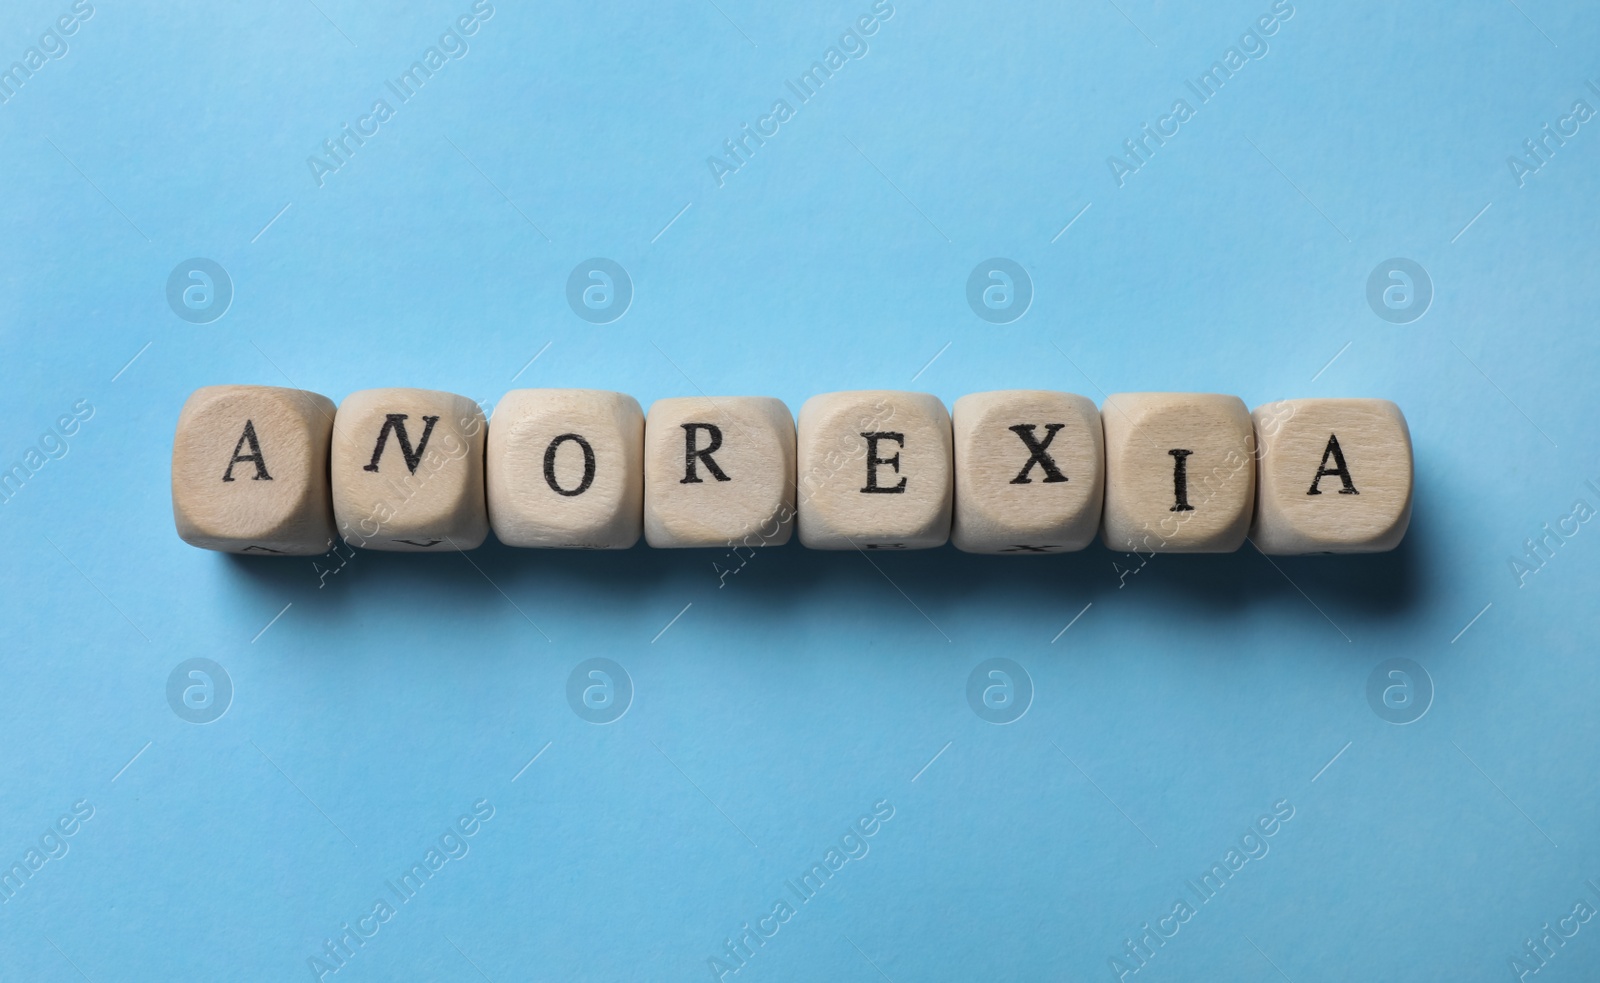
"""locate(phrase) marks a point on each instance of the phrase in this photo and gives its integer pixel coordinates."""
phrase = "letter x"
(1037, 454)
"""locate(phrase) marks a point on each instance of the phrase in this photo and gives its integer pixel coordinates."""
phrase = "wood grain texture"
(565, 469)
(403, 484)
(1180, 472)
(1029, 472)
(250, 471)
(894, 491)
(718, 471)
(1355, 454)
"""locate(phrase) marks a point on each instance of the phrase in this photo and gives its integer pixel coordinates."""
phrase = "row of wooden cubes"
(264, 470)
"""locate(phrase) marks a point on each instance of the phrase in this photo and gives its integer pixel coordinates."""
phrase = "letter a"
(1521, 571)
(1323, 470)
(1036, 448)
(1120, 170)
(1522, 969)
(254, 455)
(1520, 170)
(397, 423)
(319, 168)
(720, 169)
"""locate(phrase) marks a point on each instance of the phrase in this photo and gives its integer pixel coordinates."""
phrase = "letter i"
(1180, 480)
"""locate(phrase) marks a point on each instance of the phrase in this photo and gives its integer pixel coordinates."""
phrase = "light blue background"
(374, 706)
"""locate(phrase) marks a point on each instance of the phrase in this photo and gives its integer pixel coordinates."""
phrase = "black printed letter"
(1180, 481)
(1323, 470)
(397, 423)
(261, 462)
(550, 465)
(1037, 450)
(873, 460)
(690, 475)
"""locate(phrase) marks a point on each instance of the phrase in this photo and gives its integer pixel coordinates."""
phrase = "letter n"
(397, 423)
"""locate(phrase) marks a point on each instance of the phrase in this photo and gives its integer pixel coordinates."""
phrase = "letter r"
(693, 454)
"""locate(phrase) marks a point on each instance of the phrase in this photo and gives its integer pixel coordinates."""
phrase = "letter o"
(550, 465)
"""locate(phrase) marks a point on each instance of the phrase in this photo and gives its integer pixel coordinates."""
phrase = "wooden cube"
(875, 471)
(407, 468)
(718, 472)
(1029, 472)
(565, 469)
(1334, 476)
(250, 471)
(1180, 472)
